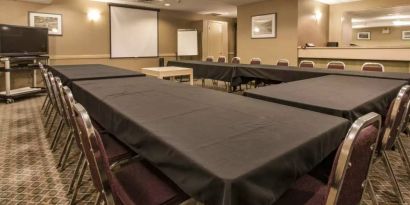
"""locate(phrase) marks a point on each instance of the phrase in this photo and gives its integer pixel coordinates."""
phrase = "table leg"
(34, 78)
(191, 79)
(7, 77)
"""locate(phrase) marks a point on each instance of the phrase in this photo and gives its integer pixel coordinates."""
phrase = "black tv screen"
(23, 41)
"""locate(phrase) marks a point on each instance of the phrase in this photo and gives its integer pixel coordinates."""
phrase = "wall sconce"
(94, 15)
(318, 15)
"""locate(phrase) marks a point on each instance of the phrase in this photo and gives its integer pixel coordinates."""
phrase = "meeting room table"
(71, 73)
(242, 73)
(343, 96)
(221, 149)
(208, 70)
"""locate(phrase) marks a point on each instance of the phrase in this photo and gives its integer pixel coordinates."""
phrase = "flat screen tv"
(23, 41)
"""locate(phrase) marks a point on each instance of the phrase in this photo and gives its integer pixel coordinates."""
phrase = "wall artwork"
(54, 22)
(405, 35)
(264, 26)
(363, 36)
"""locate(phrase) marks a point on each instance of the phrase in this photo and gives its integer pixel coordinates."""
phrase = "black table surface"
(70, 73)
(343, 96)
(289, 74)
(220, 148)
(240, 73)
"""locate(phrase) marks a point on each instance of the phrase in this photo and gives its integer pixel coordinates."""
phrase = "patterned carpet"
(28, 173)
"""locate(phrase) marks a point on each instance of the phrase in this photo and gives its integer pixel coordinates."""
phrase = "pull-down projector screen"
(134, 32)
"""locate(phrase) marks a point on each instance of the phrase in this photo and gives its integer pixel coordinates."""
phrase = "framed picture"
(54, 22)
(264, 26)
(405, 35)
(363, 36)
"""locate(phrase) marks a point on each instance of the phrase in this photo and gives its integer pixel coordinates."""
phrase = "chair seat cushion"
(137, 183)
(307, 191)
(115, 150)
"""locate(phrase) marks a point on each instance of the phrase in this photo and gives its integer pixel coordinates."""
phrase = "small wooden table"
(170, 71)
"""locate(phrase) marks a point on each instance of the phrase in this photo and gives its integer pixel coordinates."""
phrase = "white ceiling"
(226, 8)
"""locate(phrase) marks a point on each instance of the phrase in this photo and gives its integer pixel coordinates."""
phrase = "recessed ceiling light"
(167, 4)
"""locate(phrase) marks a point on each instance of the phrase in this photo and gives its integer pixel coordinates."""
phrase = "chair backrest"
(221, 59)
(86, 134)
(54, 92)
(353, 161)
(63, 103)
(339, 65)
(283, 62)
(209, 59)
(47, 83)
(306, 64)
(236, 60)
(395, 119)
(69, 98)
(256, 61)
(377, 67)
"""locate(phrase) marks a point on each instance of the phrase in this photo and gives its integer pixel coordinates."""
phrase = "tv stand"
(11, 94)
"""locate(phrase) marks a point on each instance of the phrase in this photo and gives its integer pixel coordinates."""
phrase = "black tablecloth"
(343, 96)
(220, 148)
(70, 73)
(242, 73)
(208, 70)
(289, 74)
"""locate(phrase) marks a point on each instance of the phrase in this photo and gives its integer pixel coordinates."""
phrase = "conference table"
(221, 149)
(71, 73)
(343, 96)
(208, 70)
(242, 73)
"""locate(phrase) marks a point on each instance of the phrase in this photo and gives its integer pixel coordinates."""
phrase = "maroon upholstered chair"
(377, 67)
(306, 64)
(349, 174)
(221, 59)
(47, 101)
(127, 181)
(62, 123)
(116, 151)
(256, 61)
(236, 60)
(209, 59)
(390, 137)
(49, 109)
(338, 65)
(283, 62)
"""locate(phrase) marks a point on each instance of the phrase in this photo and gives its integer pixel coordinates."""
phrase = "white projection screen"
(134, 32)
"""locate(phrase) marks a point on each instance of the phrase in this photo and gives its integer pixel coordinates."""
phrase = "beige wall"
(378, 39)
(310, 29)
(87, 42)
(271, 49)
(337, 12)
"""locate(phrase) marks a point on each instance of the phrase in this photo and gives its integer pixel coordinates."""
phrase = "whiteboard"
(134, 32)
(187, 42)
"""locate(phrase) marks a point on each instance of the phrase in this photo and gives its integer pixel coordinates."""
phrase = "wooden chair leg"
(372, 193)
(78, 182)
(403, 154)
(44, 103)
(77, 169)
(392, 177)
(66, 149)
(57, 133)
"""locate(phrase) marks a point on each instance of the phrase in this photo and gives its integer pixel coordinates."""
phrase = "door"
(216, 39)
